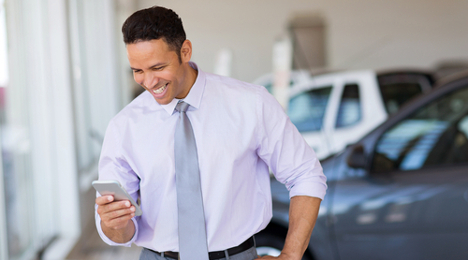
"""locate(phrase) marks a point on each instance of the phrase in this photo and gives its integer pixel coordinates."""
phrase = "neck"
(191, 75)
(190, 78)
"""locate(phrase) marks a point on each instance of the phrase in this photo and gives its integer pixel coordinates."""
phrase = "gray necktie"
(192, 231)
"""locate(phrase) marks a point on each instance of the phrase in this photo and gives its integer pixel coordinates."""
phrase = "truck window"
(349, 112)
(307, 109)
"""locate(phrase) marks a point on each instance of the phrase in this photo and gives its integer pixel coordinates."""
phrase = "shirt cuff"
(108, 240)
(309, 188)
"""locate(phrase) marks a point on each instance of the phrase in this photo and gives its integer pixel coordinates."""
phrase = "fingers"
(119, 212)
(115, 209)
(104, 200)
(118, 222)
(114, 214)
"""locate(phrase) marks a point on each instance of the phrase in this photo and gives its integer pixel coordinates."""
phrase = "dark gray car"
(401, 192)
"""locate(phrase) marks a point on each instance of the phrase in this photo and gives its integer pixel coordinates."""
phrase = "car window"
(437, 134)
(307, 109)
(397, 89)
(349, 112)
(395, 95)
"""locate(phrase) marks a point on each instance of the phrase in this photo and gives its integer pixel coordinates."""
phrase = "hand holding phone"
(117, 191)
(116, 210)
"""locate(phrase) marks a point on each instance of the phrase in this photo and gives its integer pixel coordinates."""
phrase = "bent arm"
(115, 221)
(303, 212)
(296, 165)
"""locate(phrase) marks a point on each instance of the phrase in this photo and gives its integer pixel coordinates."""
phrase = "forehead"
(148, 50)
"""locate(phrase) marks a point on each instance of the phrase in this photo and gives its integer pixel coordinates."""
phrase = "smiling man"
(196, 149)
(162, 71)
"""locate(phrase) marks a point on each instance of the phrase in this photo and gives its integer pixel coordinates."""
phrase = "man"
(239, 130)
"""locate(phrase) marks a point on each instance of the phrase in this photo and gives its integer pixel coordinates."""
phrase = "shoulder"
(236, 95)
(230, 86)
(135, 109)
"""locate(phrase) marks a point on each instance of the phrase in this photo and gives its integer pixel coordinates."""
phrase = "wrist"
(119, 235)
(290, 255)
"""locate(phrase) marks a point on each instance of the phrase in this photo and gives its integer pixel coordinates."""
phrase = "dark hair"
(152, 24)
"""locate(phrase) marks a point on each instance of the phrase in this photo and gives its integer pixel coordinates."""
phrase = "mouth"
(160, 90)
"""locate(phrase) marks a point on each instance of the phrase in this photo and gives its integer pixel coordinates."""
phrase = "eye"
(137, 71)
(159, 68)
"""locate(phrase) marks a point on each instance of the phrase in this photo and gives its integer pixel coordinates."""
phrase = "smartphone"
(114, 188)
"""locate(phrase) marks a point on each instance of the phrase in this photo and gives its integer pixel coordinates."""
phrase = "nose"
(150, 80)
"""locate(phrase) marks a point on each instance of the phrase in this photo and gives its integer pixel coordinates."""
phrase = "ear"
(186, 51)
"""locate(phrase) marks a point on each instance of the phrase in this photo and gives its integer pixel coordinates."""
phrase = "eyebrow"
(155, 65)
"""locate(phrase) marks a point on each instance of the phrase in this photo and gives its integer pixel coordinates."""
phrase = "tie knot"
(182, 106)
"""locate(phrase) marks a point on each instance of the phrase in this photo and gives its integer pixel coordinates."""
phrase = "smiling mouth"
(160, 90)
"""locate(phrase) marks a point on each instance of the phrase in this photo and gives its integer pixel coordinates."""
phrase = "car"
(334, 109)
(400, 192)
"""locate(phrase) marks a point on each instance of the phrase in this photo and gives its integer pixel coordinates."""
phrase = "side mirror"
(357, 159)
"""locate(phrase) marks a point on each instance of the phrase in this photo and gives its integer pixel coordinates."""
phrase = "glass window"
(397, 89)
(396, 94)
(16, 158)
(94, 87)
(307, 109)
(84, 81)
(349, 112)
(437, 134)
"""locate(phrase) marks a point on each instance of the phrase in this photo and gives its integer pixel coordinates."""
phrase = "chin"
(163, 101)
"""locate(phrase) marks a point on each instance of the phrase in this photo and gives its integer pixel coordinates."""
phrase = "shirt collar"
(195, 94)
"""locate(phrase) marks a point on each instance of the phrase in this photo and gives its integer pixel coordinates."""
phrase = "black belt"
(218, 254)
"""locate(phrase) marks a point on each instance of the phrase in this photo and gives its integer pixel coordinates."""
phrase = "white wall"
(361, 33)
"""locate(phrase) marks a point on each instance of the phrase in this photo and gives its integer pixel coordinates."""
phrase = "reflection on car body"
(401, 192)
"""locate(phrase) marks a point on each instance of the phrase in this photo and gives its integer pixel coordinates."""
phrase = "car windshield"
(307, 109)
(437, 134)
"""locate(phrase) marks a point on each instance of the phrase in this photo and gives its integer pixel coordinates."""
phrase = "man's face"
(158, 69)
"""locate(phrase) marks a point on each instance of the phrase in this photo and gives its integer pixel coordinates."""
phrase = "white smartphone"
(115, 189)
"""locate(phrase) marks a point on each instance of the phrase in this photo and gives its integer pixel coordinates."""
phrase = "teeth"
(160, 90)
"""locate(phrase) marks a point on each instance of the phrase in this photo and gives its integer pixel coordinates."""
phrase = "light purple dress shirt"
(240, 131)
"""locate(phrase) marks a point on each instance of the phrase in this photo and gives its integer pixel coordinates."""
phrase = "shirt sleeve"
(114, 166)
(282, 147)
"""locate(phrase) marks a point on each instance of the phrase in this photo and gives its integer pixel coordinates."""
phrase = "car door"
(334, 110)
(409, 200)
(358, 110)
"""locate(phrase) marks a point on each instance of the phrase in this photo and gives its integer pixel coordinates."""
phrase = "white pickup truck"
(336, 109)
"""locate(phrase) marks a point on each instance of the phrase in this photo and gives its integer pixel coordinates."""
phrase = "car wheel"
(268, 244)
